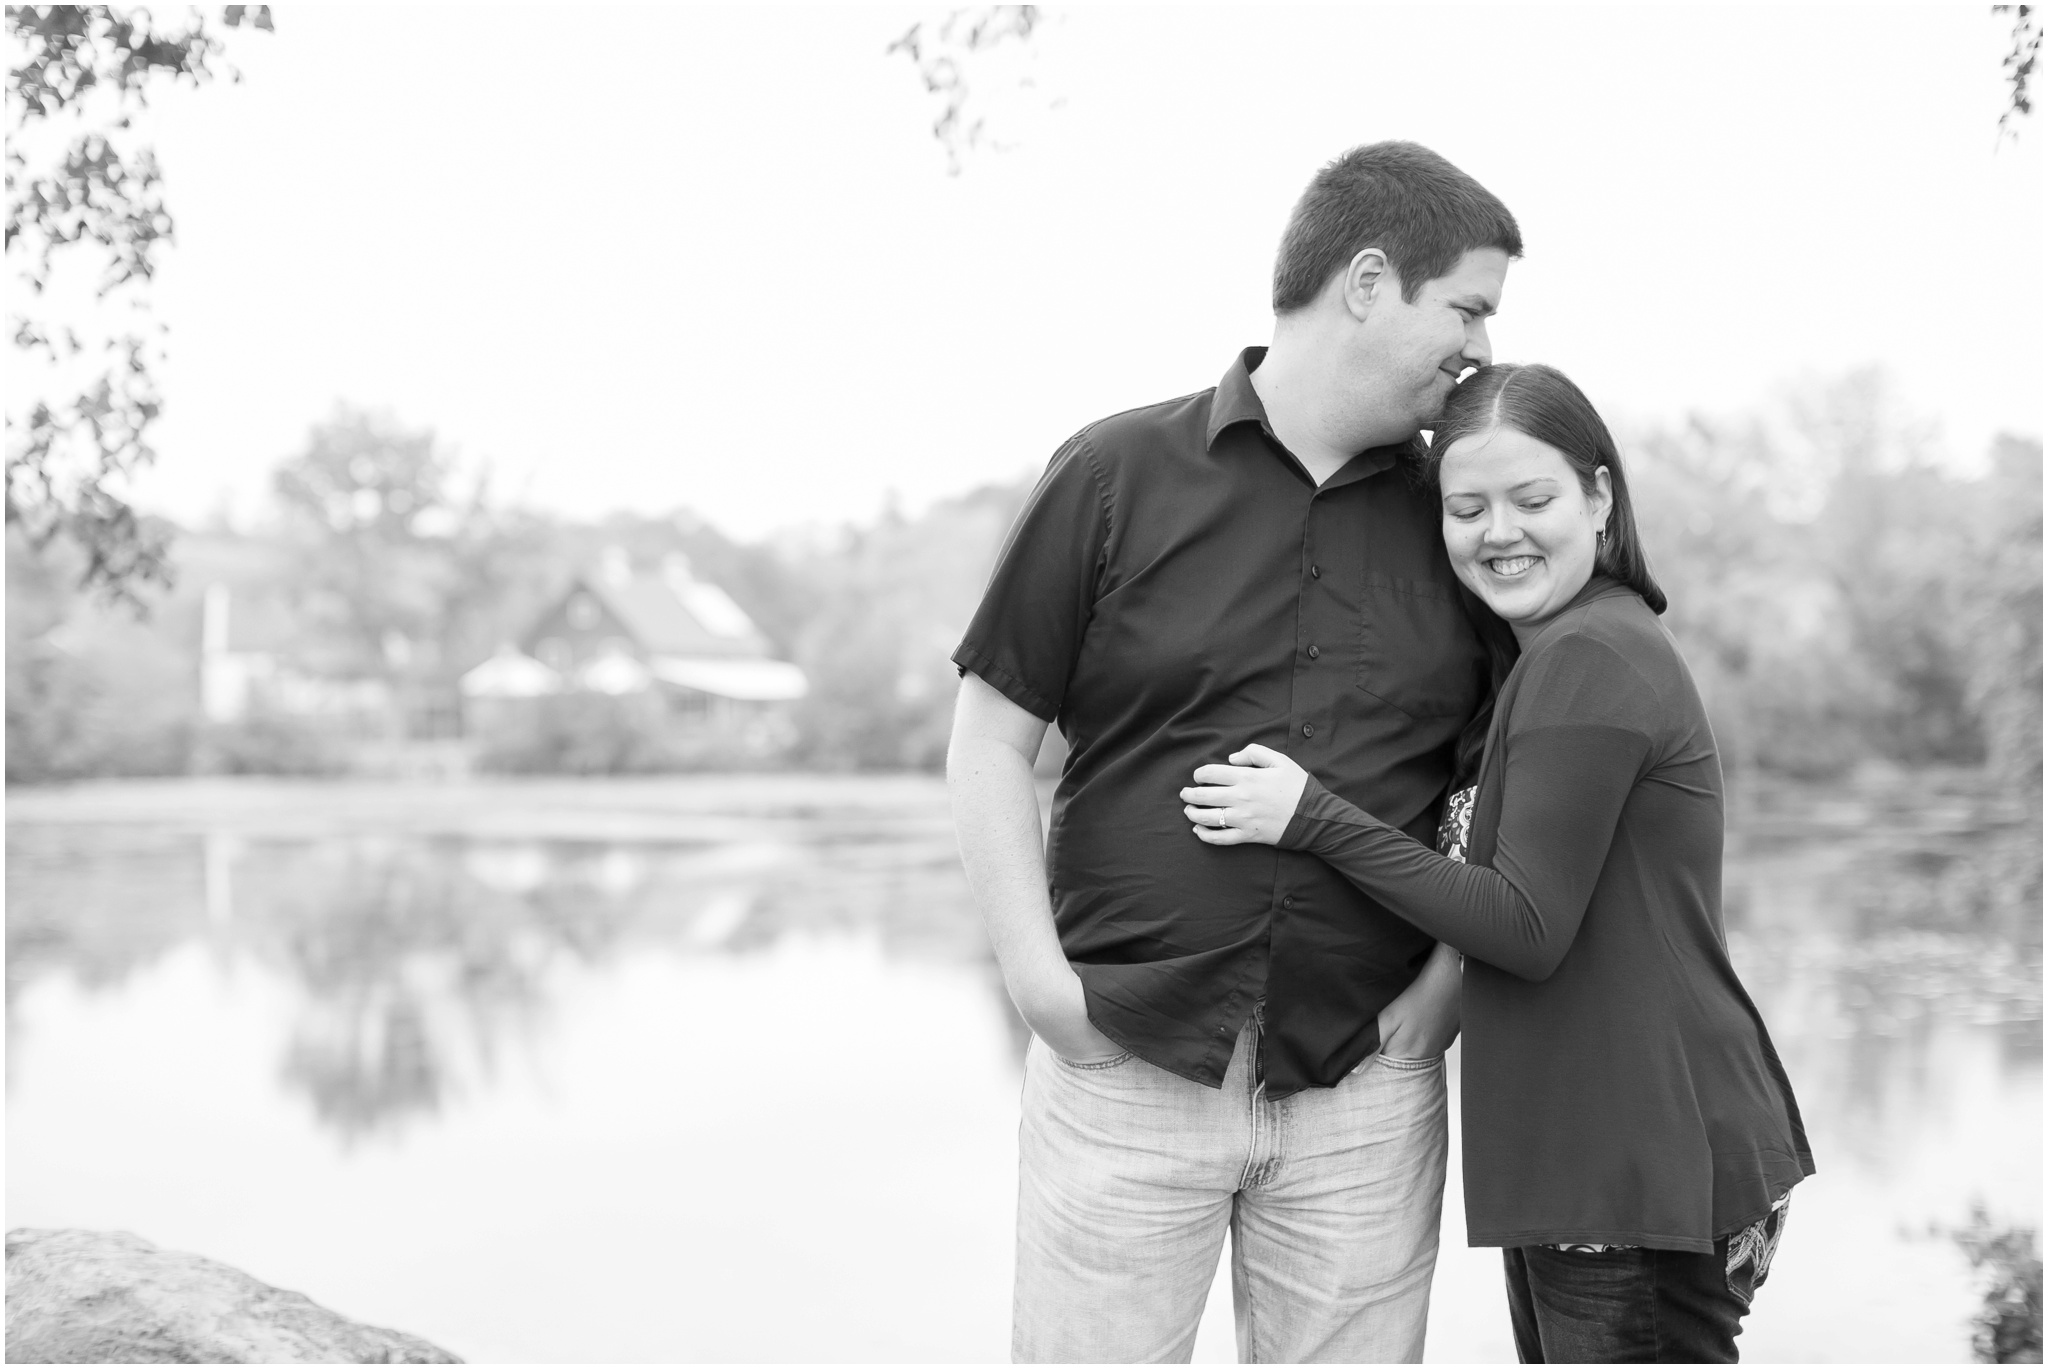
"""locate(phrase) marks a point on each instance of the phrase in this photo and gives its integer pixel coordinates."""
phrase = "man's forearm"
(1423, 1020)
(995, 812)
(1441, 978)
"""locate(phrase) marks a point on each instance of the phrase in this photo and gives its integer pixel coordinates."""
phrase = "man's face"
(1417, 350)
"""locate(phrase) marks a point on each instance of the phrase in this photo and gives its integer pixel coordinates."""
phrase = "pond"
(719, 1068)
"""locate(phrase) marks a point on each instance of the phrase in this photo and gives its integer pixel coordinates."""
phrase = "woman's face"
(1520, 530)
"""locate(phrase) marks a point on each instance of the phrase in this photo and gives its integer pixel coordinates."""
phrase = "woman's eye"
(1464, 515)
(1532, 505)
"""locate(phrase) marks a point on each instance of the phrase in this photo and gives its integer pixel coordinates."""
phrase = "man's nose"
(1478, 346)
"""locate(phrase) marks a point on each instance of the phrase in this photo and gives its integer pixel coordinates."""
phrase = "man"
(1235, 1037)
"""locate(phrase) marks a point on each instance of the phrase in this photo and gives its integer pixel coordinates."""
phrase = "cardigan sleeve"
(1563, 787)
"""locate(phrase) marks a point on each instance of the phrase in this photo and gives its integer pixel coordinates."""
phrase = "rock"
(106, 1297)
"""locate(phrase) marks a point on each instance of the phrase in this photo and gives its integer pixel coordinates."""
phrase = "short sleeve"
(1026, 635)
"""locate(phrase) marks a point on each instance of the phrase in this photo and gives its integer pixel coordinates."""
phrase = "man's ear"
(1367, 275)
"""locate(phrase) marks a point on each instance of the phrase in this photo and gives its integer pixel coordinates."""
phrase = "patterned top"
(1454, 833)
(1756, 1243)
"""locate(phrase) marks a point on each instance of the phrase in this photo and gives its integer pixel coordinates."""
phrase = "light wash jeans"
(1128, 1176)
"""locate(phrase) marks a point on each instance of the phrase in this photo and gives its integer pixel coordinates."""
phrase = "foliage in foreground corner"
(943, 53)
(2019, 63)
(2008, 1265)
(72, 448)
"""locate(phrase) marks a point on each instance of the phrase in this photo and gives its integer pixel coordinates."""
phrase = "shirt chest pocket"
(1417, 650)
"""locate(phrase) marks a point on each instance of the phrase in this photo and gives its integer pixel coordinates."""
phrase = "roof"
(756, 681)
(614, 673)
(510, 674)
(673, 615)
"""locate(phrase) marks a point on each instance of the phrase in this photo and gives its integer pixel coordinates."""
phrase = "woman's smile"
(1513, 567)
(1523, 532)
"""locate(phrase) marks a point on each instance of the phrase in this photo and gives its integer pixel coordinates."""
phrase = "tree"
(942, 53)
(1998, 613)
(398, 575)
(2019, 63)
(893, 605)
(368, 503)
(1839, 595)
(72, 447)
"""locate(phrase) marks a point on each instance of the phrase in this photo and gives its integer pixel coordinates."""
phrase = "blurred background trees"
(394, 572)
(896, 597)
(1839, 594)
(1843, 597)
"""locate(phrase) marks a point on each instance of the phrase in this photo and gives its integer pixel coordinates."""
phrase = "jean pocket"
(1395, 1062)
(1108, 1064)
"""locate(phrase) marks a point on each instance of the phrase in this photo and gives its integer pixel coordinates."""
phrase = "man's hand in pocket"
(1061, 1021)
(1423, 1021)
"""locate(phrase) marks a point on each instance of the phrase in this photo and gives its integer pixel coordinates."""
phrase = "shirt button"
(1287, 902)
(1316, 571)
(1308, 729)
(1314, 651)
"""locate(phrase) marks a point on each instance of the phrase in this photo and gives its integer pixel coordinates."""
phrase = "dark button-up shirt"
(1176, 588)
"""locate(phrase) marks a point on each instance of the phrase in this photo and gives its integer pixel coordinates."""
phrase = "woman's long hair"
(1541, 402)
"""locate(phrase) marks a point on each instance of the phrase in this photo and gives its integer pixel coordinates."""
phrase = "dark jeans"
(1626, 1306)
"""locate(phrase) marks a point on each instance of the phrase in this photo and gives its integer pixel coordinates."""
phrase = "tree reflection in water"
(1871, 920)
(396, 955)
(418, 964)
(411, 972)
(1866, 918)
(99, 904)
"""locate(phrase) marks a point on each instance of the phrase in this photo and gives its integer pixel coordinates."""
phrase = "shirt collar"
(1237, 402)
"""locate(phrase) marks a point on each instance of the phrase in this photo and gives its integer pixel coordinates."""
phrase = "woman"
(1630, 1136)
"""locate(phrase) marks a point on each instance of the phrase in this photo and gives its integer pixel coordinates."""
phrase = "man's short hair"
(1424, 213)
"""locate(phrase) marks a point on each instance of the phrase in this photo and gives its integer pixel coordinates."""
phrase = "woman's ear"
(1602, 500)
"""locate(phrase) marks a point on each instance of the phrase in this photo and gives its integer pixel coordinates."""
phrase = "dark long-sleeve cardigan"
(1619, 1086)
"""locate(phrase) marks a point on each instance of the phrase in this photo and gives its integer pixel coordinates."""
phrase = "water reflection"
(418, 962)
(605, 986)
(1877, 929)
(412, 976)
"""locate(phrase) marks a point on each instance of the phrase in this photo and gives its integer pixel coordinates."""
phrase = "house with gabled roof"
(623, 630)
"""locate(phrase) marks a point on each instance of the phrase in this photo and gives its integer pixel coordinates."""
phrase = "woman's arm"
(1562, 791)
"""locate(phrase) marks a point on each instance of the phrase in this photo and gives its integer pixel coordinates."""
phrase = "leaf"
(60, 472)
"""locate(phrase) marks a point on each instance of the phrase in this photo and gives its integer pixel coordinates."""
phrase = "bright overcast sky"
(710, 257)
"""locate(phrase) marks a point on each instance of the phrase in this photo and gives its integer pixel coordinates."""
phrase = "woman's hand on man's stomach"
(1252, 799)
